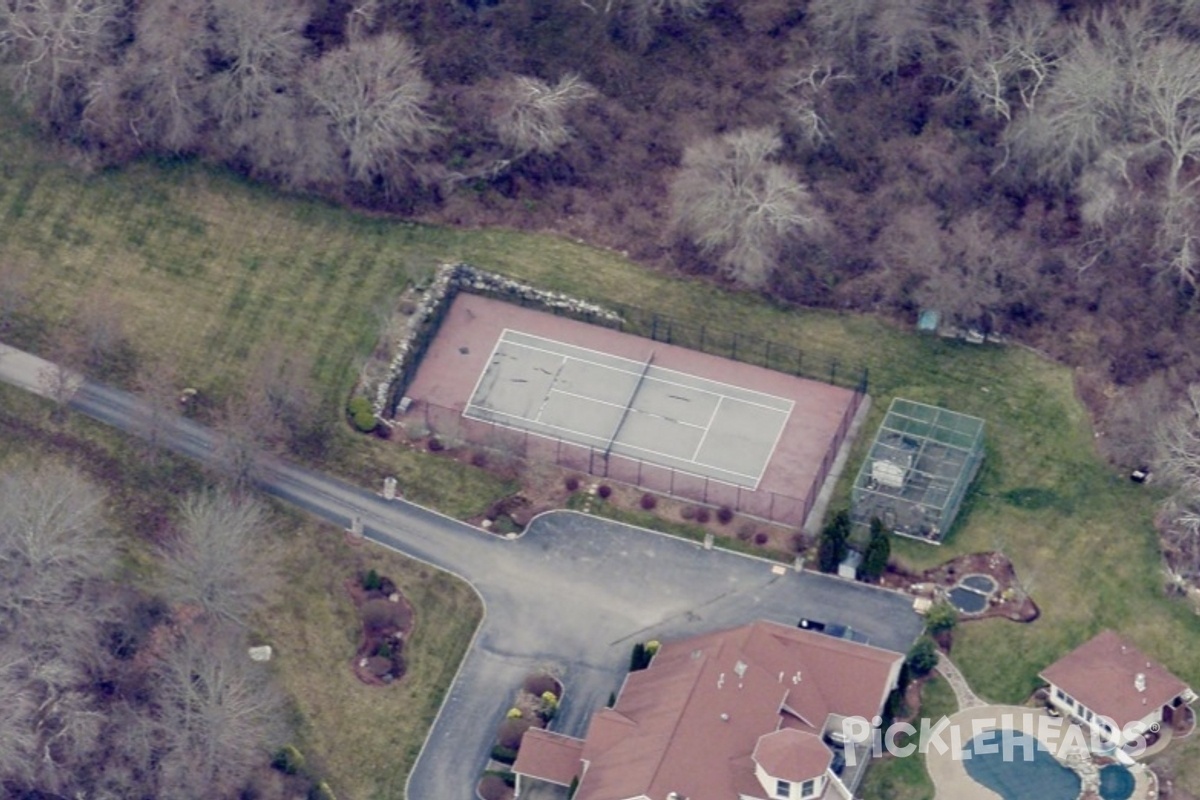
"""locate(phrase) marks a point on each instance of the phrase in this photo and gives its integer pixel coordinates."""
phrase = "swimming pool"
(1116, 782)
(998, 760)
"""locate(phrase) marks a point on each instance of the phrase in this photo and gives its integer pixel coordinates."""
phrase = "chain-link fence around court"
(787, 508)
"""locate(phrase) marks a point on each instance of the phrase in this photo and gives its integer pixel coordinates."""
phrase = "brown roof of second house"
(549, 756)
(1103, 675)
(690, 722)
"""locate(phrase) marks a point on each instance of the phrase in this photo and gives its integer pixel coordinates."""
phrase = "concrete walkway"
(966, 698)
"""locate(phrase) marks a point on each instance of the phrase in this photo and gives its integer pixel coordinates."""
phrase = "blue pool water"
(1116, 782)
(998, 761)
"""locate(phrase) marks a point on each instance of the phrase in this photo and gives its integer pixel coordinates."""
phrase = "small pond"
(980, 583)
(967, 600)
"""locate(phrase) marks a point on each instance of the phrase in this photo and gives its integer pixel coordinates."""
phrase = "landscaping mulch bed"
(1009, 601)
(387, 621)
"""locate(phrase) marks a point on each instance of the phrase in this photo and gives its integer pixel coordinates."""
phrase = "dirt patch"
(1007, 601)
(387, 621)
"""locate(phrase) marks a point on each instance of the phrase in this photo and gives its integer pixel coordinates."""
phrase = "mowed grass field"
(211, 269)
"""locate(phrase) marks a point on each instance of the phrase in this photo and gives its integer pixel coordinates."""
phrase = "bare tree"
(874, 36)
(220, 715)
(1179, 444)
(997, 64)
(156, 95)
(738, 205)
(261, 46)
(53, 45)
(220, 560)
(53, 554)
(805, 95)
(50, 537)
(532, 115)
(373, 95)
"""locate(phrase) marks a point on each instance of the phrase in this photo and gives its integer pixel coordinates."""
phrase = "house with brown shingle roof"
(1114, 689)
(740, 714)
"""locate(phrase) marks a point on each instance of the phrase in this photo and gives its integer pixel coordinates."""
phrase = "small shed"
(918, 470)
(929, 321)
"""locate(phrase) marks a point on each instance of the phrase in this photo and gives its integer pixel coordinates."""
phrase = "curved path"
(572, 594)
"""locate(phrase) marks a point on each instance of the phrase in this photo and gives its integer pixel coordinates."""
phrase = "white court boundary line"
(471, 410)
(590, 399)
(790, 403)
(756, 478)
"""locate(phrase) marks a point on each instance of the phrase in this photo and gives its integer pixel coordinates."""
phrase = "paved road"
(573, 594)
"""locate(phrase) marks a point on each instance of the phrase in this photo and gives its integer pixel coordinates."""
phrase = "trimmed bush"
(922, 658)
(941, 619)
(703, 516)
(288, 760)
(511, 731)
(505, 755)
(492, 787)
(572, 483)
(538, 683)
(724, 515)
(688, 513)
(360, 413)
(761, 538)
(371, 581)
(479, 459)
(435, 445)
(649, 501)
(604, 491)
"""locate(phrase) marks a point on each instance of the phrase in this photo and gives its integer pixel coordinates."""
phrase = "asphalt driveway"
(573, 594)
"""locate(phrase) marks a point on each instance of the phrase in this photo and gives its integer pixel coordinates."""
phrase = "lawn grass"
(905, 778)
(213, 269)
(365, 739)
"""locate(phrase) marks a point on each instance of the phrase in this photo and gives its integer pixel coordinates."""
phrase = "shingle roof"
(792, 755)
(1103, 675)
(690, 722)
(549, 756)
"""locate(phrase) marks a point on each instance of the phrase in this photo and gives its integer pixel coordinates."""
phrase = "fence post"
(701, 338)
(767, 355)
(799, 361)
(833, 372)
(654, 327)
(669, 323)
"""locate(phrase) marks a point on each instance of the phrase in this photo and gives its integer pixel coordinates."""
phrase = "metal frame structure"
(918, 470)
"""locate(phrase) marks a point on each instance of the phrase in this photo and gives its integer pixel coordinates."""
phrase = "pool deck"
(949, 772)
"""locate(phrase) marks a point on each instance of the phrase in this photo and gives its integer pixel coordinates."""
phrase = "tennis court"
(631, 408)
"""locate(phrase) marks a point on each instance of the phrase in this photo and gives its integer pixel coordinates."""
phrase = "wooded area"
(110, 691)
(1024, 166)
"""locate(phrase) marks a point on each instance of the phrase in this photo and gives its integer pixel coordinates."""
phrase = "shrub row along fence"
(787, 508)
